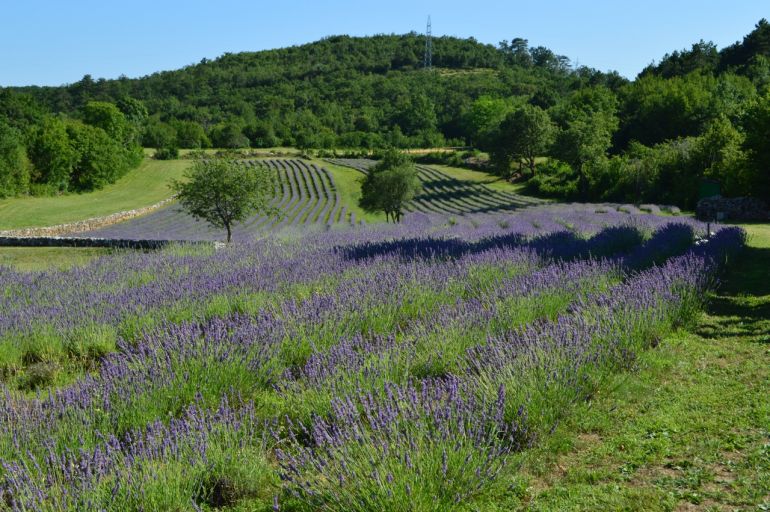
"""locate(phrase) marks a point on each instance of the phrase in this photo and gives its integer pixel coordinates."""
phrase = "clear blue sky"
(50, 42)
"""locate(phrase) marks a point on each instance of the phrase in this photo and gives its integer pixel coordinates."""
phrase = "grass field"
(689, 431)
(347, 182)
(48, 258)
(490, 180)
(143, 186)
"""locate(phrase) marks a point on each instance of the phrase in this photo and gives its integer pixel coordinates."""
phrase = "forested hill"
(339, 91)
(749, 57)
(699, 113)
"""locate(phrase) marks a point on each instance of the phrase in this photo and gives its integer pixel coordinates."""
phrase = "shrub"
(167, 153)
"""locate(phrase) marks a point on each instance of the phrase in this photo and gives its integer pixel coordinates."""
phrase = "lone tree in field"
(389, 185)
(223, 191)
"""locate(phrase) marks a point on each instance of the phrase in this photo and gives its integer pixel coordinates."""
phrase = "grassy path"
(143, 186)
(689, 431)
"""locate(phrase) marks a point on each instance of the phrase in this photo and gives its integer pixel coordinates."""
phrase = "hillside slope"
(354, 91)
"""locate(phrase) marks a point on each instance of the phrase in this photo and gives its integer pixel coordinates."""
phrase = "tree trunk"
(229, 232)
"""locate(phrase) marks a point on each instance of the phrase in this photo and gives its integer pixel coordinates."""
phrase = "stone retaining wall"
(82, 225)
(734, 208)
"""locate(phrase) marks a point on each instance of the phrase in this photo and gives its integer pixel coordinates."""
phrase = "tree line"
(698, 113)
(44, 153)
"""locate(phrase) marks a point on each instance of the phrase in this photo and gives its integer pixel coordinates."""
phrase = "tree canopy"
(608, 138)
(224, 191)
(389, 185)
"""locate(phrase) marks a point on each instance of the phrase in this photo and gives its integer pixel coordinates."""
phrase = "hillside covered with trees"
(697, 113)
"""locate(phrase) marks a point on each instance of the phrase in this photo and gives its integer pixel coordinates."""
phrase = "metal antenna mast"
(428, 60)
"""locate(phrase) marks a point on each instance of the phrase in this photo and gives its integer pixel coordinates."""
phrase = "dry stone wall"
(733, 208)
(83, 225)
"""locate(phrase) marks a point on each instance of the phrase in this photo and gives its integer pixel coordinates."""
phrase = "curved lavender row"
(282, 196)
(307, 189)
(332, 197)
(319, 192)
(305, 193)
(469, 198)
(297, 191)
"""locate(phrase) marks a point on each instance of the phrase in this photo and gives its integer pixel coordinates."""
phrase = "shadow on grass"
(741, 307)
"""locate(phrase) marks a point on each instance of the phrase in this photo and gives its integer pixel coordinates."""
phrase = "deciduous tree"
(223, 191)
(390, 185)
(525, 134)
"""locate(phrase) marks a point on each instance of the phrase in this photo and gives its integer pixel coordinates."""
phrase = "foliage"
(483, 118)
(223, 191)
(758, 148)
(341, 91)
(369, 92)
(52, 154)
(525, 134)
(389, 185)
(70, 155)
(555, 179)
(587, 121)
(166, 153)
(14, 166)
(100, 159)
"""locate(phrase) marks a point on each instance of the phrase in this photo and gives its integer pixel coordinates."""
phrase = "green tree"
(229, 136)
(757, 146)
(389, 185)
(52, 154)
(100, 159)
(223, 191)
(190, 135)
(525, 134)
(722, 157)
(109, 118)
(158, 134)
(14, 166)
(588, 123)
(483, 118)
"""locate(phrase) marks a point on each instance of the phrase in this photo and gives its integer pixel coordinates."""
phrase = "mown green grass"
(689, 431)
(27, 259)
(347, 182)
(484, 178)
(143, 186)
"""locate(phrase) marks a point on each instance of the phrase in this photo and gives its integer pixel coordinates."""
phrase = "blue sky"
(54, 42)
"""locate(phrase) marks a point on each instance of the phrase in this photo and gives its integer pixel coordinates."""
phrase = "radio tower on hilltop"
(428, 60)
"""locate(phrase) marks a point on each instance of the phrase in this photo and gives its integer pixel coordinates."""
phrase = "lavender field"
(305, 194)
(378, 368)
